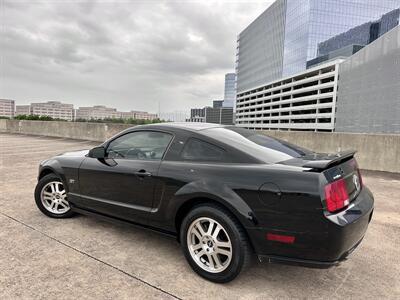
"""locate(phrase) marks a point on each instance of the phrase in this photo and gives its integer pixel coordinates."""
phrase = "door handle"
(142, 173)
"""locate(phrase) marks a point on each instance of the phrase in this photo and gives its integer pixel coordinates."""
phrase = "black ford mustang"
(223, 191)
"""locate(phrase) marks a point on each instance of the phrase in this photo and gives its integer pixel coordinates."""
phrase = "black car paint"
(277, 198)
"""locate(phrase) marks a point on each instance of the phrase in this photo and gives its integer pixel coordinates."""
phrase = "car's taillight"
(359, 177)
(336, 195)
(354, 163)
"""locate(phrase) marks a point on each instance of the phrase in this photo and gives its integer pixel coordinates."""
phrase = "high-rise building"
(101, 112)
(22, 110)
(134, 114)
(53, 109)
(230, 90)
(369, 88)
(7, 108)
(219, 115)
(285, 36)
(174, 116)
(97, 112)
(349, 42)
(217, 103)
(358, 94)
(197, 115)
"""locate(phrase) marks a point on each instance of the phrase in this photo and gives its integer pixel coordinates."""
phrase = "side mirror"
(97, 152)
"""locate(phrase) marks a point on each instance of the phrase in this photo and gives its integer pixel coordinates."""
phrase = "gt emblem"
(356, 182)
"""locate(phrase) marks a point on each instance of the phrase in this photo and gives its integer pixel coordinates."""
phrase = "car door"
(122, 184)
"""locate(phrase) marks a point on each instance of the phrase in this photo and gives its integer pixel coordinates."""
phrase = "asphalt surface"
(87, 258)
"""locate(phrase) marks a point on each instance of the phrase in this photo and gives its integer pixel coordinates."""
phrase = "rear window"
(260, 146)
(197, 150)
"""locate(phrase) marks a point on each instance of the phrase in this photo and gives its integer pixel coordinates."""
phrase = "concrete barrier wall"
(75, 130)
(378, 152)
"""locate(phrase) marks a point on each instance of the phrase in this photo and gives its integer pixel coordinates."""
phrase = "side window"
(197, 150)
(144, 145)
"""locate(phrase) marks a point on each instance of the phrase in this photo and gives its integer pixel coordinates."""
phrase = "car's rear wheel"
(51, 197)
(214, 243)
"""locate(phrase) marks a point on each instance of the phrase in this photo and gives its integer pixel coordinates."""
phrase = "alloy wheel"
(209, 245)
(54, 198)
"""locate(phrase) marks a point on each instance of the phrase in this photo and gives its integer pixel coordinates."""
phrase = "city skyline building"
(349, 42)
(216, 115)
(229, 90)
(96, 112)
(217, 103)
(369, 88)
(22, 110)
(358, 94)
(285, 36)
(7, 108)
(304, 101)
(174, 116)
(101, 112)
(53, 109)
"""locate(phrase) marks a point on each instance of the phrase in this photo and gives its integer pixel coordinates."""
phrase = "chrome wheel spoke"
(223, 244)
(48, 198)
(217, 261)
(210, 261)
(224, 252)
(64, 203)
(197, 234)
(196, 247)
(200, 229)
(200, 253)
(210, 227)
(53, 205)
(216, 231)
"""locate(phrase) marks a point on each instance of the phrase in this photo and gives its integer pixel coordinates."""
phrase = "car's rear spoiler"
(325, 163)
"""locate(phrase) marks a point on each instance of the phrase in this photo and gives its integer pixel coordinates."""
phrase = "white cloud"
(124, 54)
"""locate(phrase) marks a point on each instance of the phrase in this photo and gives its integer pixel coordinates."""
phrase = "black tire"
(38, 190)
(241, 249)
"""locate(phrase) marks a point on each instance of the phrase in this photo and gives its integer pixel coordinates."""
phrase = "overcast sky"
(130, 55)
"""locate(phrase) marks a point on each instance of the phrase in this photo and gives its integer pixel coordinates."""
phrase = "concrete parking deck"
(87, 258)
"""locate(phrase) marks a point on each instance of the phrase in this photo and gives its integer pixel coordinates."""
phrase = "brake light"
(336, 195)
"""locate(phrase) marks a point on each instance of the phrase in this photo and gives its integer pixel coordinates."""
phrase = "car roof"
(191, 126)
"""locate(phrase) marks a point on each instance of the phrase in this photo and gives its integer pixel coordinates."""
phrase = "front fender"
(53, 166)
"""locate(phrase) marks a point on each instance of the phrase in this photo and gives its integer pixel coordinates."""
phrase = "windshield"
(258, 145)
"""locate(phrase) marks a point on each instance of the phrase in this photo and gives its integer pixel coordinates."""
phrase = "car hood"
(79, 153)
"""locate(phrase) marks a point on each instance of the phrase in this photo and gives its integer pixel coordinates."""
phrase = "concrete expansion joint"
(90, 256)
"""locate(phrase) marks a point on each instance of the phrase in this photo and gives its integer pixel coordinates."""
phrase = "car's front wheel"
(51, 197)
(214, 243)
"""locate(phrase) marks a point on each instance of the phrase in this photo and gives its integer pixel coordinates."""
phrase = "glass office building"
(230, 90)
(283, 38)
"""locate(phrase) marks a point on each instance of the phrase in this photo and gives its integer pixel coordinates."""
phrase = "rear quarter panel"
(288, 193)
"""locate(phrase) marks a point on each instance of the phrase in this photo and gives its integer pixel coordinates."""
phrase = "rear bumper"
(306, 262)
(334, 239)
